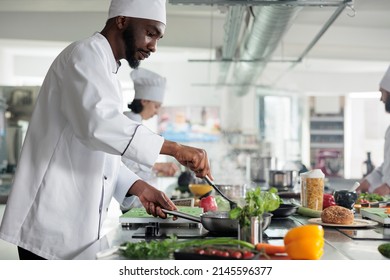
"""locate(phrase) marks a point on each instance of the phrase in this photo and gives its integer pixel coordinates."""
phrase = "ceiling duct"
(269, 25)
(232, 28)
(248, 48)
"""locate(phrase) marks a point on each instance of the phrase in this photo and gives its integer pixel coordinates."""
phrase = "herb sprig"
(257, 203)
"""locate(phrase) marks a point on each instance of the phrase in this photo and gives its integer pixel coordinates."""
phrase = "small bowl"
(345, 198)
(284, 210)
(199, 189)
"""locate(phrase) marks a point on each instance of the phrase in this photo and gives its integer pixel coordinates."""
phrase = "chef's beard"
(387, 105)
(129, 39)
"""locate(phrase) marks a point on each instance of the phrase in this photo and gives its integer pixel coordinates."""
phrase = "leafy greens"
(257, 203)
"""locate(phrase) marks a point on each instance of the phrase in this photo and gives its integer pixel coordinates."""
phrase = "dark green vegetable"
(257, 203)
(370, 197)
(162, 249)
(384, 249)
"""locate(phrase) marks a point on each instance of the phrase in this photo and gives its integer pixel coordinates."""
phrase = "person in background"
(378, 181)
(70, 165)
(149, 95)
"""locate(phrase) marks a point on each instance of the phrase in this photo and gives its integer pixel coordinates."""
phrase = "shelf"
(327, 119)
(327, 132)
(326, 145)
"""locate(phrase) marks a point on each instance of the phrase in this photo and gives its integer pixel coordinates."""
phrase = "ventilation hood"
(252, 32)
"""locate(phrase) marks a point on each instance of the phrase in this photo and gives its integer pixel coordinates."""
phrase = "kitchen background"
(293, 80)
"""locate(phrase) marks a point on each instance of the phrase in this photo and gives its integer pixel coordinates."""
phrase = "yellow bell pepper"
(305, 242)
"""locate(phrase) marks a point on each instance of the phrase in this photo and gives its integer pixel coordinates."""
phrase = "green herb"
(163, 249)
(257, 203)
(371, 197)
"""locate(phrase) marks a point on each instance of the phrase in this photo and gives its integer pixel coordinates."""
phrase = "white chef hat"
(148, 85)
(148, 9)
(385, 82)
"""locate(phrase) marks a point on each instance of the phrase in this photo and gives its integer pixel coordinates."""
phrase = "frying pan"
(284, 210)
(217, 221)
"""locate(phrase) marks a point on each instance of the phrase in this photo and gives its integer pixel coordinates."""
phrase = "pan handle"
(182, 215)
(231, 202)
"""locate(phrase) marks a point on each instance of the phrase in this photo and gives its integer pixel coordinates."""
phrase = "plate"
(357, 223)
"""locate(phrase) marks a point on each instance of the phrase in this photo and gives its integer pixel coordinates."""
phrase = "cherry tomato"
(210, 251)
(247, 255)
(199, 251)
(222, 253)
(236, 254)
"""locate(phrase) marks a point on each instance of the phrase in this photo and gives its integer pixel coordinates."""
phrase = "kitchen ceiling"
(356, 45)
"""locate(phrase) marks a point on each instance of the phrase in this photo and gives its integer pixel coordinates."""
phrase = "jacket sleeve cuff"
(144, 147)
(126, 179)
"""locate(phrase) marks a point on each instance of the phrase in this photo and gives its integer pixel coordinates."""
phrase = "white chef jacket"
(381, 174)
(143, 171)
(70, 165)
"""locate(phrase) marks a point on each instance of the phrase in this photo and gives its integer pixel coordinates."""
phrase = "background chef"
(149, 94)
(378, 181)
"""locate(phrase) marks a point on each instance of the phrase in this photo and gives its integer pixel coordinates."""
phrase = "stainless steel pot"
(281, 178)
(259, 166)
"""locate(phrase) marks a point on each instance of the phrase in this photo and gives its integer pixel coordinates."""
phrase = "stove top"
(161, 231)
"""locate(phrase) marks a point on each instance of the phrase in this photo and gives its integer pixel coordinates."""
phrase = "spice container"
(312, 189)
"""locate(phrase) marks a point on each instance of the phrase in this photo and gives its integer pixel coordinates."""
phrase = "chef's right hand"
(152, 199)
(194, 158)
(363, 187)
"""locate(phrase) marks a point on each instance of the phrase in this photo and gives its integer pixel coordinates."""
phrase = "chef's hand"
(166, 168)
(152, 199)
(193, 158)
(382, 190)
(363, 187)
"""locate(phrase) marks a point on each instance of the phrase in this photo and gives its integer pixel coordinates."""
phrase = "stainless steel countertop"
(338, 246)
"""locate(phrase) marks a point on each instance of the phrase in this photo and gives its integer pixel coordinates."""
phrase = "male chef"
(70, 165)
(378, 181)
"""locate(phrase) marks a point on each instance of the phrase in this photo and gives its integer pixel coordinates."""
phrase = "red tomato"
(208, 203)
(236, 254)
(210, 251)
(222, 253)
(247, 255)
(199, 251)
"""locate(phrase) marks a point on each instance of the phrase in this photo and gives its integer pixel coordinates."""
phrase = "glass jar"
(312, 189)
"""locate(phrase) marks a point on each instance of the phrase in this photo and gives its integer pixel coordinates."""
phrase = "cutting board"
(139, 216)
(376, 214)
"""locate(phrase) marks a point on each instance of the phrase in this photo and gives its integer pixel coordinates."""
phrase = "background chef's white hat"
(148, 85)
(148, 9)
(385, 82)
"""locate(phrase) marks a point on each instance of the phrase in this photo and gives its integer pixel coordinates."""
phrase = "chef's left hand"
(152, 199)
(166, 168)
(382, 190)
